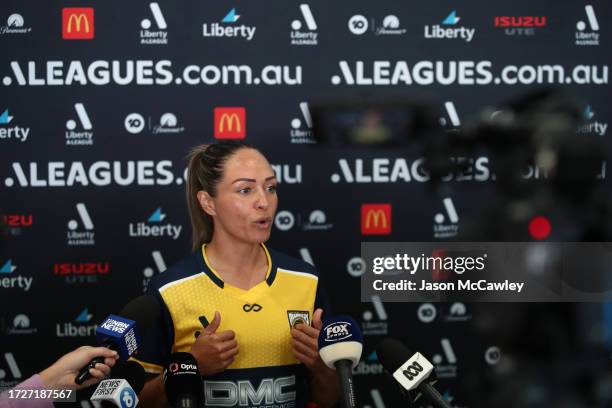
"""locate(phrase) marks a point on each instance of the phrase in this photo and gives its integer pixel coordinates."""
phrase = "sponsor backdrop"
(101, 101)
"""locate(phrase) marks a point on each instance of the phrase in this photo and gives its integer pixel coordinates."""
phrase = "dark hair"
(204, 172)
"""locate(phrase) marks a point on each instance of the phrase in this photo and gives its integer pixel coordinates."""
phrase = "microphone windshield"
(182, 379)
(392, 354)
(340, 339)
(131, 371)
(144, 310)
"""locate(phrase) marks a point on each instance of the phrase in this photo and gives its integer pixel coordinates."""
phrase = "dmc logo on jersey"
(588, 32)
(254, 307)
(301, 133)
(298, 317)
(84, 236)
(272, 392)
(77, 23)
(80, 138)
(452, 115)
(590, 126)
(13, 281)
(154, 37)
(522, 25)
(142, 229)
(375, 219)
(447, 32)
(12, 132)
(229, 31)
(308, 36)
(80, 329)
(230, 123)
(15, 25)
(446, 226)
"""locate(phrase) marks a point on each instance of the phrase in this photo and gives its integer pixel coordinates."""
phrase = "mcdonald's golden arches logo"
(78, 23)
(375, 219)
(230, 123)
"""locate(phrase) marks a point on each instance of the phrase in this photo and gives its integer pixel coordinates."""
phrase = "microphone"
(122, 333)
(122, 389)
(414, 373)
(340, 346)
(183, 382)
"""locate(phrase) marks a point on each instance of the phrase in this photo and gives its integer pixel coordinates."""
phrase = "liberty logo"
(229, 31)
(442, 228)
(446, 365)
(83, 237)
(154, 37)
(300, 37)
(8, 267)
(584, 36)
(301, 134)
(12, 132)
(590, 126)
(378, 326)
(141, 229)
(149, 272)
(84, 137)
(13, 281)
(452, 115)
(453, 32)
(81, 329)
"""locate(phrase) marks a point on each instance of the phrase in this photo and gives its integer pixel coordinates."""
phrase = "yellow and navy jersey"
(265, 371)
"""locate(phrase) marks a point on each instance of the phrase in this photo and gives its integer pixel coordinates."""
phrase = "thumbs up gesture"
(213, 350)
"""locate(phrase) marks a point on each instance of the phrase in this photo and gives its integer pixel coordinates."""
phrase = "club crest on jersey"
(298, 316)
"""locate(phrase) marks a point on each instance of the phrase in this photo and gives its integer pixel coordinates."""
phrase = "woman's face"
(246, 200)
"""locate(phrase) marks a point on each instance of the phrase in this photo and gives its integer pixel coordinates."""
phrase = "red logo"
(18, 221)
(230, 123)
(78, 23)
(83, 268)
(523, 21)
(375, 219)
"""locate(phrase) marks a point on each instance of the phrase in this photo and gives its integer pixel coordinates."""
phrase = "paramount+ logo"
(230, 123)
(78, 23)
(376, 219)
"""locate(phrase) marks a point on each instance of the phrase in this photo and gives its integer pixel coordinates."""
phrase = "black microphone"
(122, 333)
(183, 382)
(412, 371)
(122, 388)
(340, 347)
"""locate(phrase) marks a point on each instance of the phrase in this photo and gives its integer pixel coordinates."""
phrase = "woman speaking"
(249, 315)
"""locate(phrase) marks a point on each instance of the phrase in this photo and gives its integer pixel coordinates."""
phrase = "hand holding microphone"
(122, 333)
(61, 373)
(214, 351)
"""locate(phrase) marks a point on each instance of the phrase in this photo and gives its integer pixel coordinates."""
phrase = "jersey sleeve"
(157, 340)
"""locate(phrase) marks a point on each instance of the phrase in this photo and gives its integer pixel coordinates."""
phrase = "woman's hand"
(304, 342)
(213, 350)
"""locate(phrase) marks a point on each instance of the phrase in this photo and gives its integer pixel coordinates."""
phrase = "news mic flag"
(117, 392)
